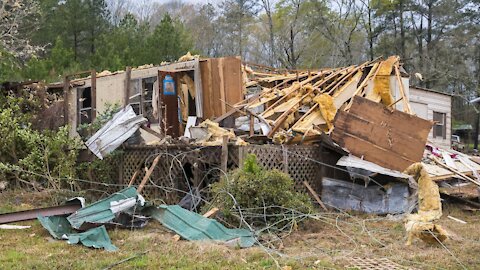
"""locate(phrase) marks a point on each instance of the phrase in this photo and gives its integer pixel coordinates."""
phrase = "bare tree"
(15, 17)
(338, 21)
(267, 7)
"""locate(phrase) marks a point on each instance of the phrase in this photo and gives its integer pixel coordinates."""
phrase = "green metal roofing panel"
(100, 211)
(57, 226)
(96, 238)
(60, 228)
(192, 226)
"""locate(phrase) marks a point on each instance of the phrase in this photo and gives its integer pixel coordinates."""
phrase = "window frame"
(439, 123)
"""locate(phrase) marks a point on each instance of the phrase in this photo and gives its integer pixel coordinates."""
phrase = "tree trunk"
(75, 46)
(370, 33)
(402, 31)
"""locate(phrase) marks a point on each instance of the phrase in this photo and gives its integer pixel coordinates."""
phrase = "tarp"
(60, 228)
(123, 124)
(192, 226)
(104, 210)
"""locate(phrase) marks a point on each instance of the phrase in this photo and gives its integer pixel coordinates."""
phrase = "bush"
(37, 158)
(265, 197)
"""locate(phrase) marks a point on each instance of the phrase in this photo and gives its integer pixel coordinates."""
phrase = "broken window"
(141, 97)
(84, 105)
(135, 96)
(440, 127)
(148, 88)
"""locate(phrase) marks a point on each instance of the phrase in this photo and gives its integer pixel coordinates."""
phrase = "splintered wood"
(389, 138)
(304, 103)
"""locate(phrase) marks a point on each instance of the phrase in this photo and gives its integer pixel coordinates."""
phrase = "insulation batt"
(429, 209)
(327, 108)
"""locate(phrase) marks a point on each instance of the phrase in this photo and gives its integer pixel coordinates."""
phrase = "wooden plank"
(151, 131)
(206, 74)
(371, 152)
(93, 89)
(462, 175)
(128, 77)
(147, 175)
(232, 68)
(389, 138)
(221, 82)
(216, 86)
(66, 90)
(384, 136)
(378, 113)
(315, 195)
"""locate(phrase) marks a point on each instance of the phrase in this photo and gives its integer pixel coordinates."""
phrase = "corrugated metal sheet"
(104, 210)
(355, 162)
(393, 198)
(123, 124)
(192, 226)
(60, 228)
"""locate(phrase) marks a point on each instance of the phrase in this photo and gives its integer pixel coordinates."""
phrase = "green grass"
(316, 245)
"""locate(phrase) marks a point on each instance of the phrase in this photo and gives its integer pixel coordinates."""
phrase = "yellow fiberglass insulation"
(327, 108)
(429, 209)
(215, 133)
(381, 84)
(290, 119)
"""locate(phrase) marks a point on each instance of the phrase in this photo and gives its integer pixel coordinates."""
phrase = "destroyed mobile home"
(348, 138)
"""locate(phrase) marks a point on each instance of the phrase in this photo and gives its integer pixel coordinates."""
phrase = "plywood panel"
(205, 72)
(232, 68)
(391, 139)
(221, 81)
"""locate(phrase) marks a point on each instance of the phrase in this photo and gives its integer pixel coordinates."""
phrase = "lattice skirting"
(182, 167)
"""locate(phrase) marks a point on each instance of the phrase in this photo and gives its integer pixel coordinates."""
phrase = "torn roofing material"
(393, 198)
(104, 210)
(59, 228)
(193, 226)
(123, 124)
(95, 237)
(355, 162)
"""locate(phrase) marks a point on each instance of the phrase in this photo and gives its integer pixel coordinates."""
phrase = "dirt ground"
(328, 243)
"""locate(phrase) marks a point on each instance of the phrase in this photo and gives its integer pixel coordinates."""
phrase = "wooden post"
(147, 175)
(252, 125)
(128, 76)
(315, 195)
(66, 89)
(93, 89)
(224, 153)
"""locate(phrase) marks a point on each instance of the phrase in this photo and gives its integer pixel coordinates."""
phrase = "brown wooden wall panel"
(392, 139)
(232, 69)
(221, 80)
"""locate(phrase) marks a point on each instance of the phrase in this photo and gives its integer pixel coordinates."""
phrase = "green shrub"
(37, 158)
(265, 197)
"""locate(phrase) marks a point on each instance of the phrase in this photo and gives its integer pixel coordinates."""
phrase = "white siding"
(435, 102)
(110, 89)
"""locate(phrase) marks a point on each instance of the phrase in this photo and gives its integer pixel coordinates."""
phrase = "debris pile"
(291, 107)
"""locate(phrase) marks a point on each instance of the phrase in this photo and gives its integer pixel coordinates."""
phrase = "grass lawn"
(325, 244)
